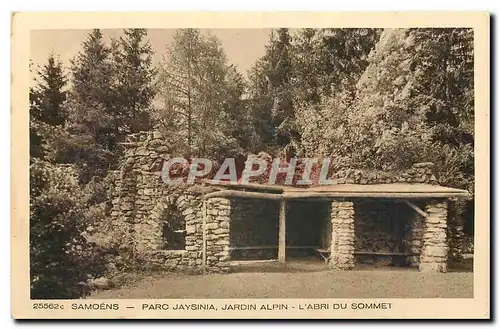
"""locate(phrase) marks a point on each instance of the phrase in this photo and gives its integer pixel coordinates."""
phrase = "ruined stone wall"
(142, 202)
(149, 231)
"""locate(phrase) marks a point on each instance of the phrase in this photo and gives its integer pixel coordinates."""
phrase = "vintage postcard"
(250, 165)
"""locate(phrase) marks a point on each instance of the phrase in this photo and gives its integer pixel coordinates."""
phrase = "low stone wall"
(142, 203)
(169, 260)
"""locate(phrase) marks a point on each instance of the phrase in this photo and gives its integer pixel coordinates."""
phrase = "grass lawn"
(306, 281)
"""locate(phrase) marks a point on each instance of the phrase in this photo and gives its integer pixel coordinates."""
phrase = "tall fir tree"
(47, 100)
(133, 88)
(92, 133)
(307, 65)
(239, 116)
(112, 95)
(330, 61)
(261, 103)
(444, 60)
(51, 92)
(271, 93)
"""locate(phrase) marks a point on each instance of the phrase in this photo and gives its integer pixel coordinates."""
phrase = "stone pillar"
(415, 234)
(216, 235)
(342, 245)
(435, 247)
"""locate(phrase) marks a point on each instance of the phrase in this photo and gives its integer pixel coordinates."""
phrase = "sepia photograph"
(252, 169)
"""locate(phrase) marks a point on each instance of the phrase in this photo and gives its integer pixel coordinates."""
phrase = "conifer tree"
(92, 133)
(271, 92)
(60, 256)
(47, 100)
(133, 87)
(51, 92)
(330, 61)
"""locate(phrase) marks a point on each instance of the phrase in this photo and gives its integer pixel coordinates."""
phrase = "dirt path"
(318, 284)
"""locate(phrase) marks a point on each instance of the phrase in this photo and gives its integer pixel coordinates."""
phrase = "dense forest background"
(367, 98)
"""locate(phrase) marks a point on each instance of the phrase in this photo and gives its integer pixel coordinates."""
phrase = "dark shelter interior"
(254, 228)
(382, 228)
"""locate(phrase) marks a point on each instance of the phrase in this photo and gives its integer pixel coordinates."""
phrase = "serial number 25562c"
(48, 306)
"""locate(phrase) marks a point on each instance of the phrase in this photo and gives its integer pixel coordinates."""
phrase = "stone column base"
(342, 246)
(435, 247)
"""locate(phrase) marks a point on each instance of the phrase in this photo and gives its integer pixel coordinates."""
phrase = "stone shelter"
(209, 227)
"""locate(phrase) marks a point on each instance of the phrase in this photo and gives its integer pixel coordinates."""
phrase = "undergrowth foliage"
(60, 255)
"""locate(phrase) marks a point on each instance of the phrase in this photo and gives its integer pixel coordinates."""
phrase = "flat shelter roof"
(392, 190)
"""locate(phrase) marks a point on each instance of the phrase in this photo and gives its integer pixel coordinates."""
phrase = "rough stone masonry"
(342, 245)
(142, 206)
(435, 248)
